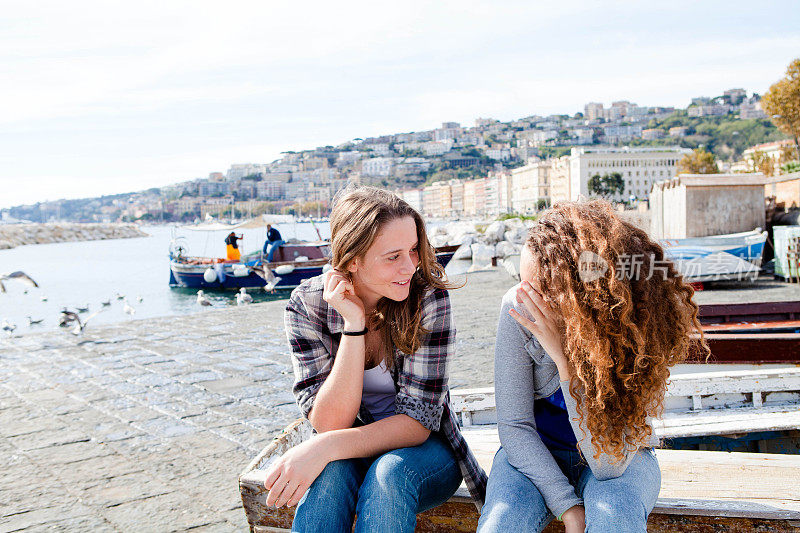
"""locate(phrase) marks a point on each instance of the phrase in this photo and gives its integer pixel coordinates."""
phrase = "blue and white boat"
(293, 262)
(733, 256)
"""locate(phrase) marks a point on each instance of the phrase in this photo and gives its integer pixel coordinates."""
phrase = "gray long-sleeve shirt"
(523, 373)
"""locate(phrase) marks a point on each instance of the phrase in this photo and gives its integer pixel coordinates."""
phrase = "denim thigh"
(622, 504)
(406, 481)
(329, 504)
(513, 503)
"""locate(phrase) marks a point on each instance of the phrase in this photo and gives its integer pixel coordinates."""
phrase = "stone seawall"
(12, 235)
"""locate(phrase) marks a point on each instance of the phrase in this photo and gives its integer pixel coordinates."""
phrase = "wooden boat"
(700, 490)
(293, 262)
(718, 257)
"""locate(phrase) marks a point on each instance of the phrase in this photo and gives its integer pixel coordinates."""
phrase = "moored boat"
(293, 262)
(718, 257)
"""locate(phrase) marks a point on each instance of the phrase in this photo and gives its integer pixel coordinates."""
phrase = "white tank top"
(379, 392)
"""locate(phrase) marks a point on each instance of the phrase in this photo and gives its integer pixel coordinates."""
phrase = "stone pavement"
(141, 426)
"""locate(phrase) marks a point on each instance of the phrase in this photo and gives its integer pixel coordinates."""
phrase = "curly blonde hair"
(623, 327)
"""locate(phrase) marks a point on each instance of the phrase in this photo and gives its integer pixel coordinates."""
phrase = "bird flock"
(72, 318)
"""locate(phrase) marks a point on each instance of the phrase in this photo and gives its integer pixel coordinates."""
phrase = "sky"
(104, 97)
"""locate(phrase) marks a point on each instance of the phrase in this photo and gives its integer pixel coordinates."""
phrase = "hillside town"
(455, 170)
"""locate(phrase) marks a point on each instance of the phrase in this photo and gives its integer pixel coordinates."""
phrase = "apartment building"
(639, 167)
(530, 185)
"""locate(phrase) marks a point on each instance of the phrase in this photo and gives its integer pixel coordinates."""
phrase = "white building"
(437, 147)
(582, 136)
(377, 166)
(593, 111)
(498, 154)
(530, 185)
(247, 169)
(348, 158)
(413, 197)
(640, 168)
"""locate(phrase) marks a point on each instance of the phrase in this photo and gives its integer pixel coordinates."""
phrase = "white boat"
(733, 256)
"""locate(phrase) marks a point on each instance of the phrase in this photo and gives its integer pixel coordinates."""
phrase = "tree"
(782, 103)
(763, 163)
(698, 162)
(607, 185)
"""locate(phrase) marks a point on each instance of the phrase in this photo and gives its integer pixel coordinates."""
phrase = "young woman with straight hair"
(584, 346)
(372, 340)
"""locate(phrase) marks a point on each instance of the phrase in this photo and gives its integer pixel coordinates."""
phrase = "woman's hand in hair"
(544, 326)
(341, 295)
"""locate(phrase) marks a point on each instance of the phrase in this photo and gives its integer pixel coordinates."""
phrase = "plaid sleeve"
(311, 360)
(422, 379)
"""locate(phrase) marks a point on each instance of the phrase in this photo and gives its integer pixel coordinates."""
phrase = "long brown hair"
(624, 326)
(357, 217)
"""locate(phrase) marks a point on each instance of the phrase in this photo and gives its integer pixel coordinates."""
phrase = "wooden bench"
(700, 490)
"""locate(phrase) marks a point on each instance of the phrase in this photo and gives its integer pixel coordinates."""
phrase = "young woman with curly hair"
(584, 346)
(372, 341)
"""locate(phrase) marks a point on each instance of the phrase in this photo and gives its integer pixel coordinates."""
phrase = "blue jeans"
(622, 504)
(272, 247)
(384, 492)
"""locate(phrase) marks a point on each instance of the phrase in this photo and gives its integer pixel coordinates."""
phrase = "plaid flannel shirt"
(314, 329)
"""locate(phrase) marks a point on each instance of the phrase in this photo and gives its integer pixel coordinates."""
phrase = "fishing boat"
(734, 256)
(701, 490)
(293, 262)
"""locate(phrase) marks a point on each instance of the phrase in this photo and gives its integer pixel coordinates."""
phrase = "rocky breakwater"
(482, 241)
(12, 235)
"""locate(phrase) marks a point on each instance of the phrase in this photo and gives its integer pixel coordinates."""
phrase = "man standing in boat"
(232, 247)
(274, 240)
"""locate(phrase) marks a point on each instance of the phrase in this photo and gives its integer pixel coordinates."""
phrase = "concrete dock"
(145, 425)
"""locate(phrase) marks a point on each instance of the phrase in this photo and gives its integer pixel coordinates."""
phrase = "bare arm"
(339, 399)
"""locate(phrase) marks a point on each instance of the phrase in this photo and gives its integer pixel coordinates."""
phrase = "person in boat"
(273, 242)
(232, 247)
(372, 340)
(584, 346)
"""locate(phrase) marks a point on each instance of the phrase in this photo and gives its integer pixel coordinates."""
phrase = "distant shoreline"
(13, 235)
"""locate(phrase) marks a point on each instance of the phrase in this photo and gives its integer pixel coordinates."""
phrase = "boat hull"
(192, 276)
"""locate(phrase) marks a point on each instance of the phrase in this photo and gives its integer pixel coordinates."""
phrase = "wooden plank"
(749, 312)
(700, 491)
(752, 348)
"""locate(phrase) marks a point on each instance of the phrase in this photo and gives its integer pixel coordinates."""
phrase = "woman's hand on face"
(543, 326)
(290, 476)
(341, 295)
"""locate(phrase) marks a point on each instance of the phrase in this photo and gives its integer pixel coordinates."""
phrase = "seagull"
(8, 327)
(120, 296)
(106, 303)
(270, 286)
(80, 326)
(20, 276)
(139, 299)
(267, 275)
(67, 317)
(32, 321)
(43, 298)
(127, 308)
(243, 298)
(83, 309)
(201, 298)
